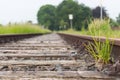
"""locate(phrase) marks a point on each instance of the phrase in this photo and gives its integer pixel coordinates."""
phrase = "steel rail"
(78, 40)
(4, 38)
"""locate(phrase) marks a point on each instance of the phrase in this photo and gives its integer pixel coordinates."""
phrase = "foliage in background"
(56, 18)
(81, 14)
(69, 31)
(46, 16)
(103, 29)
(0, 25)
(118, 19)
(22, 29)
(113, 23)
(96, 12)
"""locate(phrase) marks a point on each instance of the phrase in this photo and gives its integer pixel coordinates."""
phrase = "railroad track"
(45, 57)
(78, 41)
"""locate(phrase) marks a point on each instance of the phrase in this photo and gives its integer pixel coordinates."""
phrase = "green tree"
(96, 12)
(113, 23)
(84, 16)
(0, 25)
(118, 19)
(56, 18)
(63, 25)
(81, 13)
(47, 16)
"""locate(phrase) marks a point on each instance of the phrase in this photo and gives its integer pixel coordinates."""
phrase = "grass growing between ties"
(101, 51)
(22, 29)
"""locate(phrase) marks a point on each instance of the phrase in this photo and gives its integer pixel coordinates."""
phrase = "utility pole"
(101, 10)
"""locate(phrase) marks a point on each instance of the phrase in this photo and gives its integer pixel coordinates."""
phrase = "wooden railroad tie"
(36, 62)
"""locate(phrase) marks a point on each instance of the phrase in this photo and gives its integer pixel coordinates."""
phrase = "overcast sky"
(24, 10)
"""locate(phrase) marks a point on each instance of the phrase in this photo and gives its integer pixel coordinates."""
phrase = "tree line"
(56, 17)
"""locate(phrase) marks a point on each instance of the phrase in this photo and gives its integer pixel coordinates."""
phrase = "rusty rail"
(78, 40)
(15, 37)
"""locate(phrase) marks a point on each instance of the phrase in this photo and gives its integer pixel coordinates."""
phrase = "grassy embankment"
(22, 29)
(97, 28)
